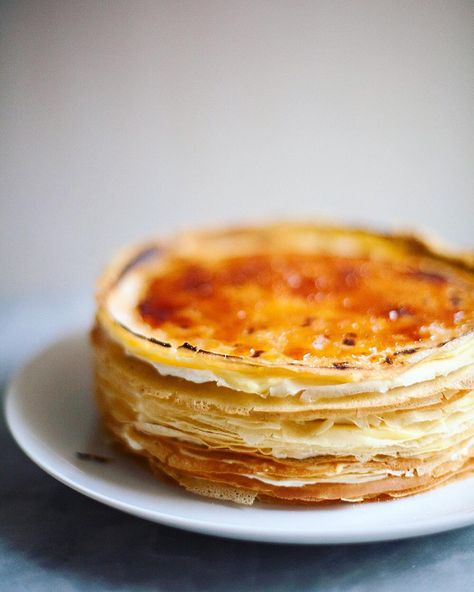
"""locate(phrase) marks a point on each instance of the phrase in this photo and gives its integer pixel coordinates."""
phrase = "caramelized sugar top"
(310, 306)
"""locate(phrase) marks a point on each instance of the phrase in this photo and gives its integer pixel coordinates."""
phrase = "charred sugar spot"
(158, 314)
(257, 353)
(388, 360)
(150, 339)
(197, 281)
(341, 365)
(158, 342)
(431, 277)
(187, 345)
(455, 300)
(217, 354)
(407, 352)
(349, 341)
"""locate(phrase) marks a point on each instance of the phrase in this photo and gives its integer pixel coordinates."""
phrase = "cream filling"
(350, 478)
(423, 371)
(354, 476)
(405, 434)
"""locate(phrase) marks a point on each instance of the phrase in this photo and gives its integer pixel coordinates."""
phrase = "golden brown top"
(308, 306)
(314, 299)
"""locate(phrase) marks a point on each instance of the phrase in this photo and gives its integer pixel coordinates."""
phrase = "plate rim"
(21, 435)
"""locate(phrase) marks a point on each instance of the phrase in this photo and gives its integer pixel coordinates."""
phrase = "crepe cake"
(292, 363)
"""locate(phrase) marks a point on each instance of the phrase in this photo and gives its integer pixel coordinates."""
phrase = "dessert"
(292, 363)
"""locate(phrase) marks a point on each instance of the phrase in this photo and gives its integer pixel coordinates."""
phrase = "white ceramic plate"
(51, 414)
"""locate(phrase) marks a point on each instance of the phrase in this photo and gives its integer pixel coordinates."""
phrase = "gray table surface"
(52, 538)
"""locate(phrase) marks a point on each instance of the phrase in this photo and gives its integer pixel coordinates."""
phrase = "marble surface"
(54, 539)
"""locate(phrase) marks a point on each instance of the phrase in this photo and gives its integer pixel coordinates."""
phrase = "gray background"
(124, 119)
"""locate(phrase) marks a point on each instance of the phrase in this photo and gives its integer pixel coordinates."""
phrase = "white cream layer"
(424, 370)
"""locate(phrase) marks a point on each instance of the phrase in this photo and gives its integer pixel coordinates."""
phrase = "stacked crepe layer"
(342, 422)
